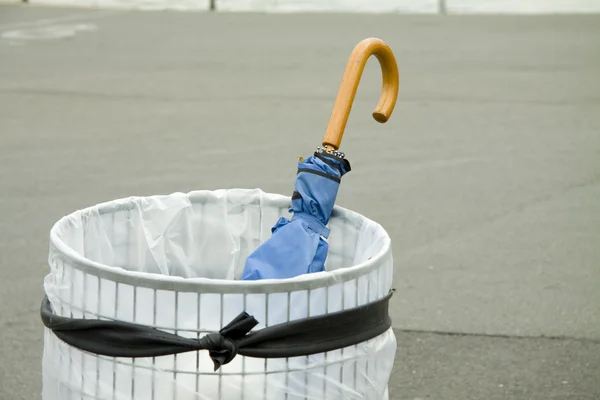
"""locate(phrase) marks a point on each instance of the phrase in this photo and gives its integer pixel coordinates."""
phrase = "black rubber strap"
(291, 339)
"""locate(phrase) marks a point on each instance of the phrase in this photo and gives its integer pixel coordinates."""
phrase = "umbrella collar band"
(340, 163)
(313, 224)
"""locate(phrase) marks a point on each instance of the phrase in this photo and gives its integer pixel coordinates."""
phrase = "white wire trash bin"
(173, 262)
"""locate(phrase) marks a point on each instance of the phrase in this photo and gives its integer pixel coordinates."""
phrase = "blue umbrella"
(298, 245)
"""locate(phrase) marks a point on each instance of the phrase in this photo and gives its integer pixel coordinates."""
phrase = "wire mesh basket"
(173, 262)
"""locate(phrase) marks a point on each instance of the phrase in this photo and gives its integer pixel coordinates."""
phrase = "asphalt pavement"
(487, 176)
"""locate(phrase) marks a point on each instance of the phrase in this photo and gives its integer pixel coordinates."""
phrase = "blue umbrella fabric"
(297, 245)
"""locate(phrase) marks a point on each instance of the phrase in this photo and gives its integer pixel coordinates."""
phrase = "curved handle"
(345, 97)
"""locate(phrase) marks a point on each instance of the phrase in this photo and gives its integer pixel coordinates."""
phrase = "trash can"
(173, 262)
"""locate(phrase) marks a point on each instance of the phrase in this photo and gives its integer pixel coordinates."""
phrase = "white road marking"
(47, 32)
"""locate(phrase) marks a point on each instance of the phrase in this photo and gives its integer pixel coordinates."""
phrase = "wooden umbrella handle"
(345, 97)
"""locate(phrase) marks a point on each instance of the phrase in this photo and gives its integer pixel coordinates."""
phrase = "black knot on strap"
(222, 346)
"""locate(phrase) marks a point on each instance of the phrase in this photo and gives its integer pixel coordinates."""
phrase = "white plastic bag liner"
(172, 262)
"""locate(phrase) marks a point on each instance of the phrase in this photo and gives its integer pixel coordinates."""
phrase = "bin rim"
(211, 285)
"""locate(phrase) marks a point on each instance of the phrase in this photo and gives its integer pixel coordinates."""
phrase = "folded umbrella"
(298, 245)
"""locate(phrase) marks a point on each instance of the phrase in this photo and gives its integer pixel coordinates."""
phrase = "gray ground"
(487, 177)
